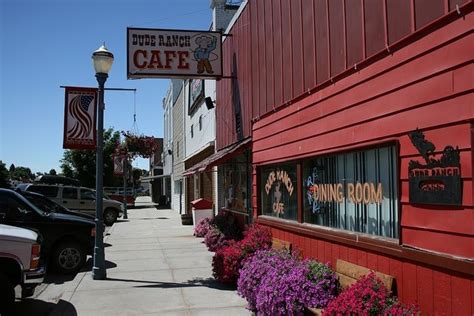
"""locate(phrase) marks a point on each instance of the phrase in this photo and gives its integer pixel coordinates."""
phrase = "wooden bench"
(279, 244)
(348, 274)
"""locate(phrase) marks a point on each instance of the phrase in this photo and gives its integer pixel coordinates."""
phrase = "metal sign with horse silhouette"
(434, 181)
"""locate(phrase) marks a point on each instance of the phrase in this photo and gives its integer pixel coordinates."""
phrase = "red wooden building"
(361, 118)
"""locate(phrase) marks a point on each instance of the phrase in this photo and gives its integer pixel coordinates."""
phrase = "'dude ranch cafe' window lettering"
(279, 191)
(354, 191)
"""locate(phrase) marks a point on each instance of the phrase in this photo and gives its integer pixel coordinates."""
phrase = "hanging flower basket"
(140, 145)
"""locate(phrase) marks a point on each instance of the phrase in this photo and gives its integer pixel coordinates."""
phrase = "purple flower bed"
(215, 239)
(203, 227)
(278, 283)
(254, 270)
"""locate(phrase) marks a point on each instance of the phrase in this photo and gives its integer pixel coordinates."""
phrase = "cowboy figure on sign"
(206, 44)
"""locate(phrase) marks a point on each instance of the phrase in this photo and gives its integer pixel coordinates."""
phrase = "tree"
(137, 173)
(4, 183)
(22, 174)
(80, 164)
(52, 172)
(12, 168)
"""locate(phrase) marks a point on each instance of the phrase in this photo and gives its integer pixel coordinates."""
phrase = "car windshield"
(45, 204)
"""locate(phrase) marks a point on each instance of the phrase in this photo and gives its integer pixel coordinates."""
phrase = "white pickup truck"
(20, 264)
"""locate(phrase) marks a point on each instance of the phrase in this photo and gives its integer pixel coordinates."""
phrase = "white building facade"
(190, 130)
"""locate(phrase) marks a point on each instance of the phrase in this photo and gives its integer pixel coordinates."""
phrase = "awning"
(217, 158)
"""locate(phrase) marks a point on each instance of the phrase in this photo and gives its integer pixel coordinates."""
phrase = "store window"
(278, 191)
(235, 183)
(177, 186)
(197, 186)
(353, 191)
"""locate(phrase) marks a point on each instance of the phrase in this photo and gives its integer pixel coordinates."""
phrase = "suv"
(78, 199)
(49, 206)
(19, 264)
(67, 239)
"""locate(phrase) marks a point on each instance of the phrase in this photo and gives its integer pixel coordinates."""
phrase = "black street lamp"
(125, 163)
(102, 60)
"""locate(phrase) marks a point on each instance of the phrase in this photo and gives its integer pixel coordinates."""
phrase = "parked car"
(20, 264)
(116, 193)
(78, 199)
(55, 179)
(49, 205)
(67, 239)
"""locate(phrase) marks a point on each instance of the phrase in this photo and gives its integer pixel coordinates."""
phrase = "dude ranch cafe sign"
(154, 53)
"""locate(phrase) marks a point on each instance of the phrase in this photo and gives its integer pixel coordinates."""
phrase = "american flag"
(79, 111)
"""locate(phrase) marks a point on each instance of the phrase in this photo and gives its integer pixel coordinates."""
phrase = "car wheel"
(27, 291)
(110, 216)
(69, 257)
(7, 295)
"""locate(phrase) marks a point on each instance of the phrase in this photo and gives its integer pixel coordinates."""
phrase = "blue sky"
(46, 44)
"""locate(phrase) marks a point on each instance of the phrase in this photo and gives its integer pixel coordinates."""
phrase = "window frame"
(42, 189)
(260, 182)
(83, 190)
(363, 170)
(68, 197)
(336, 234)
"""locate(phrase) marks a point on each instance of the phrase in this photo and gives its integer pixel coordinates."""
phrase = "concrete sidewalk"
(154, 266)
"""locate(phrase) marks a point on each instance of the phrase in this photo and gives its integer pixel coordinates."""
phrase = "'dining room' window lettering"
(354, 191)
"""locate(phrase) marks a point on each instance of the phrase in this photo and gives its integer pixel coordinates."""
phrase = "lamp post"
(102, 60)
(125, 163)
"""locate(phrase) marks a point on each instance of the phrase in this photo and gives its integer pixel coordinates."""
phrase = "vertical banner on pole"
(118, 165)
(80, 108)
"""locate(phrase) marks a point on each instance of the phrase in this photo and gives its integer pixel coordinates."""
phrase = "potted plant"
(140, 145)
(186, 219)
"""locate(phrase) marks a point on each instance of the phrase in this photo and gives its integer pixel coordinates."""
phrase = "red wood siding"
(415, 88)
(322, 40)
(354, 42)
(428, 84)
(277, 53)
(427, 10)
(283, 48)
(374, 26)
(453, 3)
(399, 19)
(336, 36)
(309, 44)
